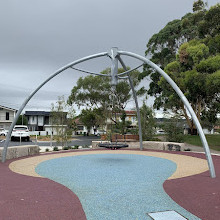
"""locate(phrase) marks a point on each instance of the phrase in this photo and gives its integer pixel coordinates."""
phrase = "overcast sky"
(39, 36)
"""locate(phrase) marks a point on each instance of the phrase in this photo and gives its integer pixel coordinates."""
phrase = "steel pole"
(4, 153)
(113, 54)
(136, 103)
(186, 103)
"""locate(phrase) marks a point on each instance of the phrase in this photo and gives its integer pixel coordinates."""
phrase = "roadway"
(77, 140)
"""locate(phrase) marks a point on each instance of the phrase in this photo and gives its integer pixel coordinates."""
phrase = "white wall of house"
(207, 131)
(42, 133)
(131, 118)
(32, 120)
(49, 130)
(7, 116)
(83, 130)
(40, 120)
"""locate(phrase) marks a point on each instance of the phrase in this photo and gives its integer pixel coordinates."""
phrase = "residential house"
(81, 128)
(39, 123)
(7, 116)
(182, 123)
(130, 116)
(217, 129)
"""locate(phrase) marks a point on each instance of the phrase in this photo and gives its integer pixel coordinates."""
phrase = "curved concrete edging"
(186, 165)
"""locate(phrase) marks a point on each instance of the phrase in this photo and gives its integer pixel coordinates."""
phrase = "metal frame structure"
(115, 56)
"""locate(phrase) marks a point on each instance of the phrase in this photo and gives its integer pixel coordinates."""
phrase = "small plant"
(55, 149)
(47, 150)
(85, 146)
(66, 148)
(76, 147)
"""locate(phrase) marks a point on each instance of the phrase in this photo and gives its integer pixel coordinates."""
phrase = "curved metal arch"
(128, 71)
(186, 103)
(85, 71)
(114, 53)
(135, 100)
(4, 153)
(108, 75)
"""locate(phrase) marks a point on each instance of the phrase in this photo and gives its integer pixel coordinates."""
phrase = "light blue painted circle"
(115, 186)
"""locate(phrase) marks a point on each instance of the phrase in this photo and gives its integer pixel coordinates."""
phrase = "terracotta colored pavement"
(24, 197)
(30, 198)
(199, 194)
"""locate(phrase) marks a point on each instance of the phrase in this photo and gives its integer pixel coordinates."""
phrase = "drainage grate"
(166, 215)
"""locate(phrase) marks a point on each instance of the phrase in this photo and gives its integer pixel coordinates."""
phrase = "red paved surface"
(31, 198)
(24, 198)
(199, 194)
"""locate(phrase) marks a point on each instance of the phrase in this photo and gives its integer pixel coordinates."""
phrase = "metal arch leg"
(136, 104)
(186, 103)
(169, 80)
(4, 153)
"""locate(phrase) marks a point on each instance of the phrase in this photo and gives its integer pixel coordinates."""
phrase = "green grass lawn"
(213, 140)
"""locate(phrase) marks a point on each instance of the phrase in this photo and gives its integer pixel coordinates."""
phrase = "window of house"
(7, 116)
(80, 127)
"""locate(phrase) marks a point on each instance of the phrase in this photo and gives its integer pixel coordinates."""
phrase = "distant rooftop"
(39, 113)
(4, 107)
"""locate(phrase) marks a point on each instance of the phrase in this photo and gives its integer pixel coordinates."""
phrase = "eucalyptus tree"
(95, 92)
(188, 50)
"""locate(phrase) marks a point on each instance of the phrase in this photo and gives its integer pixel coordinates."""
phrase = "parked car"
(160, 132)
(3, 132)
(100, 132)
(20, 131)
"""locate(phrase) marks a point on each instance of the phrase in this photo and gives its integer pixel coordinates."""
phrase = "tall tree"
(147, 122)
(195, 73)
(97, 92)
(198, 6)
(192, 61)
(122, 125)
(91, 118)
(60, 122)
(22, 120)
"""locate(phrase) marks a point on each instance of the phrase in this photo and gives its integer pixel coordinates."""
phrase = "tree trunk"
(189, 122)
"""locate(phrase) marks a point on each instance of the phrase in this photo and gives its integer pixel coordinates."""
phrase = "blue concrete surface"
(115, 186)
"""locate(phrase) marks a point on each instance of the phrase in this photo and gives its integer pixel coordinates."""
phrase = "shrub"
(85, 146)
(174, 131)
(75, 147)
(55, 149)
(155, 139)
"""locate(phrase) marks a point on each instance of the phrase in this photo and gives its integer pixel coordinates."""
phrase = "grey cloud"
(38, 37)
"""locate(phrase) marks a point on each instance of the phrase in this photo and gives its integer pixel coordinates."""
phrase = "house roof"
(77, 121)
(131, 112)
(4, 107)
(128, 112)
(38, 113)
